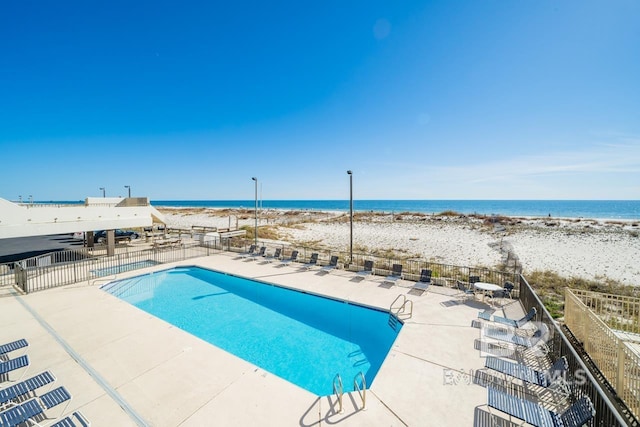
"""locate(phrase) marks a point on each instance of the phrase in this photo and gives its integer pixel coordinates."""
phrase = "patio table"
(486, 288)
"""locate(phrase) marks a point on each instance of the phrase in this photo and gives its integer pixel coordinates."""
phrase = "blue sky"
(421, 99)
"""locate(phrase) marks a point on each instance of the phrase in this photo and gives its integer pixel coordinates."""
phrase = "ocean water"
(604, 209)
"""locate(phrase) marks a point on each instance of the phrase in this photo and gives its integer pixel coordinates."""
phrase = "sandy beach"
(582, 248)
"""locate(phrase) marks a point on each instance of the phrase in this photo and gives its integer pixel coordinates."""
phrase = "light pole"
(104, 194)
(256, 209)
(350, 216)
(128, 187)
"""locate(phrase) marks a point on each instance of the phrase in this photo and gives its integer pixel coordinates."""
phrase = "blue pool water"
(122, 268)
(303, 338)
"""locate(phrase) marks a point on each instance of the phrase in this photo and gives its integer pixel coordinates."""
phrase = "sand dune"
(572, 248)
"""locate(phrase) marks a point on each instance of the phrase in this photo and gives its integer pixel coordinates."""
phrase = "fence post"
(620, 379)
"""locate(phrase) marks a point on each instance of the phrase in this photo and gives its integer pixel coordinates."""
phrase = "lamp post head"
(253, 178)
(349, 172)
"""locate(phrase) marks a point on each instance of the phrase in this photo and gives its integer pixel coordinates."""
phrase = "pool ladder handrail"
(361, 391)
(401, 308)
(108, 278)
(339, 390)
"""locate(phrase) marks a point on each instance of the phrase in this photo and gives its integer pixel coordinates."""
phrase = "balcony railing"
(602, 322)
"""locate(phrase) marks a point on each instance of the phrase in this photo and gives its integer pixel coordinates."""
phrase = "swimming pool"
(303, 338)
(123, 267)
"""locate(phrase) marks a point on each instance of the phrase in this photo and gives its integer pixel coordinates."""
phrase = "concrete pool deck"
(125, 367)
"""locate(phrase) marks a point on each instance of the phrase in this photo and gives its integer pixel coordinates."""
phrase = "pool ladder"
(338, 389)
(405, 308)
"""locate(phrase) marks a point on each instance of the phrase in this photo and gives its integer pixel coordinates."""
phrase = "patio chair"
(537, 339)
(528, 374)
(396, 273)
(516, 323)
(12, 346)
(312, 261)
(12, 365)
(258, 254)
(33, 409)
(368, 269)
(425, 276)
(535, 414)
(80, 421)
(423, 283)
(25, 387)
(275, 255)
(248, 253)
(333, 264)
(292, 258)
(466, 292)
(507, 288)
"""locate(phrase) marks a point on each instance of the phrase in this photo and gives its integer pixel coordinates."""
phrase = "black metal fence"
(610, 411)
(442, 274)
(78, 265)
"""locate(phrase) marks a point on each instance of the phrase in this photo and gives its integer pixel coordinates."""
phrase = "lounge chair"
(396, 273)
(527, 373)
(333, 264)
(538, 337)
(25, 387)
(248, 253)
(535, 414)
(33, 409)
(74, 420)
(12, 346)
(368, 269)
(466, 292)
(424, 281)
(516, 323)
(292, 258)
(312, 261)
(12, 365)
(275, 255)
(258, 254)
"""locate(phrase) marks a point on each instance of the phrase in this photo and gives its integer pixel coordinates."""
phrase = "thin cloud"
(624, 159)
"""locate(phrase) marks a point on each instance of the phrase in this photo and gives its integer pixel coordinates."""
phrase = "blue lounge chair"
(12, 365)
(292, 258)
(12, 346)
(33, 409)
(516, 323)
(396, 273)
(535, 414)
(74, 420)
(312, 261)
(368, 269)
(527, 373)
(333, 264)
(25, 387)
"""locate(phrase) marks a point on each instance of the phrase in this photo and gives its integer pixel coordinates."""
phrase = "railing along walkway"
(611, 353)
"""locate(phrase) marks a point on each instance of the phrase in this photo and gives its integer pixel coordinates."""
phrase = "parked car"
(78, 235)
(120, 235)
